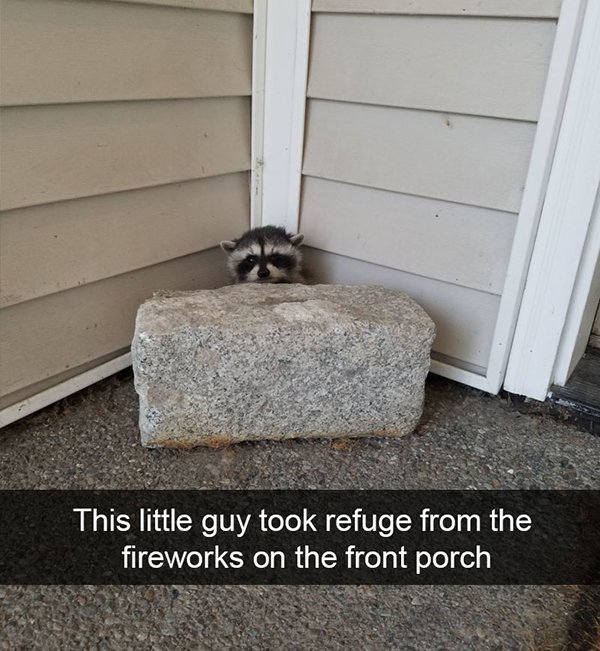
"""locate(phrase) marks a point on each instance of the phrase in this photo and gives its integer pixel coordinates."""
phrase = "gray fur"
(265, 255)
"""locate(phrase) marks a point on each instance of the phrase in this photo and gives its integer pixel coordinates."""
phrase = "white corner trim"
(280, 70)
(460, 375)
(565, 222)
(555, 94)
(60, 391)
(259, 51)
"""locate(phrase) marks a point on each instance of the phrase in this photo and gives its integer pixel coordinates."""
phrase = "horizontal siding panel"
(243, 6)
(467, 159)
(49, 383)
(45, 337)
(52, 153)
(513, 8)
(53, 247)
(455, 243)
(480, 66)
(59, 51)
(464, 318)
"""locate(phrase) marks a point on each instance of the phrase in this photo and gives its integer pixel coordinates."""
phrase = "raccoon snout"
(263, 273)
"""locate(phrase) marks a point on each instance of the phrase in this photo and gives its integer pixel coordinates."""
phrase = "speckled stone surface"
(251, 362)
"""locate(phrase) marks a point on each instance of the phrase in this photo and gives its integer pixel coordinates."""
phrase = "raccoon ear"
(228, 245)
(297, 240)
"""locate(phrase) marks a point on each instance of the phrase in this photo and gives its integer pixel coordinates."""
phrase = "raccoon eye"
(251, 259)
(281, 261)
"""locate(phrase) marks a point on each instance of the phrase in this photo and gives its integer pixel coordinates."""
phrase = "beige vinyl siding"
(462, 158)
(53, 247)
(395, 221)
(420, 126)
(157, 53)
(508, 8)
(464, 318)
(22, 396)
(67, 329)
(53, 153)
(453, 75)
(125, 160)
(243, 6)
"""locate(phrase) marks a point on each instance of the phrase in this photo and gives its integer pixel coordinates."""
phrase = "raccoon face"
(265, 255)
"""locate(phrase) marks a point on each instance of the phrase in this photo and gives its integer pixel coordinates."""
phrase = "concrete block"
(250, 362)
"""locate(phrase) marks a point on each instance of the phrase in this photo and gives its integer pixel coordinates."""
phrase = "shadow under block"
(252, 362)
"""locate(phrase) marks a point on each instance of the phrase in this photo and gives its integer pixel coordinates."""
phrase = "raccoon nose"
(263, 273)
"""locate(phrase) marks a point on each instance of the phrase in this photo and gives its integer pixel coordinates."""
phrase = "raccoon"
(265, 255)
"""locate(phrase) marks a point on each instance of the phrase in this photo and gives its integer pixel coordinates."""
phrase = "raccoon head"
(265, 255)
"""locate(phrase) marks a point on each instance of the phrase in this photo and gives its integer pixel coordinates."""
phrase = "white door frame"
(549, 332)
(549, 125)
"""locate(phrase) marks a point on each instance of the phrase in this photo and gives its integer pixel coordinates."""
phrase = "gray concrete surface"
(466, 440)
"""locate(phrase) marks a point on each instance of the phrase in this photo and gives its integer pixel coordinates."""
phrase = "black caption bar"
(300, 537)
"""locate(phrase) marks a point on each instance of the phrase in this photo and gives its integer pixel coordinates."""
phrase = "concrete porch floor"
(466, 439)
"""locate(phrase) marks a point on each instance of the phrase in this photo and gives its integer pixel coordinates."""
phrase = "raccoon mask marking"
(265, 255)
